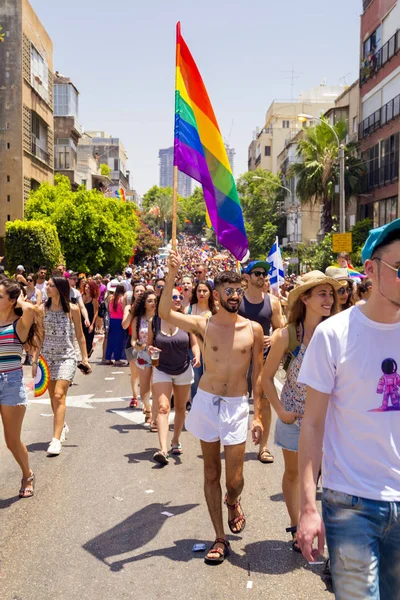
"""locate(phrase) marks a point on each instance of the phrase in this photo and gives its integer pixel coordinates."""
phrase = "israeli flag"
(276, 274)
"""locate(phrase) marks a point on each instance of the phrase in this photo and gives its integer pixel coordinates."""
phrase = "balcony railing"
(383, 175)
(373, 63)
(38, 151)
(380, 117)
(258, 160)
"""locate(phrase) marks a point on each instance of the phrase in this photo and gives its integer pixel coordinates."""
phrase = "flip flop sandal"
(161, 458)
(222, 554)
(238, 522)
(177, 449)
(295, 543)
(153, 427)
(27, 493)
(147, 417)
(265, 456)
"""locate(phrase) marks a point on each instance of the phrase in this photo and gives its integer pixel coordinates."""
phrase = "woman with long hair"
(138, 318)
(91, 303)
(345, 292)
(187, 290)
(17, 327)
(313, 300)
(33, 295)
(364, 291)
(116, 335)
(138, 291)
(202, 304)
(172, 375)
(60, 321)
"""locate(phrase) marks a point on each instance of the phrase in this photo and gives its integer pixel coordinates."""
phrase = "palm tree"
(318, 168)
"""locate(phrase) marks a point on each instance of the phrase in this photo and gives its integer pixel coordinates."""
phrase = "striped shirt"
(10, 348)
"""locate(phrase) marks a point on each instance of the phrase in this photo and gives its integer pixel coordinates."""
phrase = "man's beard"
(228, 307)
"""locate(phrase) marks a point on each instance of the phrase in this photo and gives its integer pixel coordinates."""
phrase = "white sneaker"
(54, 447)
(64, 433)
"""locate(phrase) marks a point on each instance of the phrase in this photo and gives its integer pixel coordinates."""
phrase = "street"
(108, 523)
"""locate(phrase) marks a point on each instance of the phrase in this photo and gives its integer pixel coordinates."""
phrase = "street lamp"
(342, 205)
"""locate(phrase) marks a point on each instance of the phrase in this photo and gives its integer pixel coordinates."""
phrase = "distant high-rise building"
(231, 156)
(166, 157)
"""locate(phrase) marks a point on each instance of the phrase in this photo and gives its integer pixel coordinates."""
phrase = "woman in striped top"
(16, 329)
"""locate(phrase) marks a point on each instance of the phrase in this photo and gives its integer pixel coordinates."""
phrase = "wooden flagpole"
(175, 179)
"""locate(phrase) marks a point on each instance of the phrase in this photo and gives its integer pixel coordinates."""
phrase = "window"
(8, 179)
(374, 42)
(355, 125)
(116, 164)
(8, 217)
(8, 145)
(8, 198)
(385, 211)
(39, 74)
(267, 151)
(285, 124)
(39, 137)
(65, 100)
(62, 158)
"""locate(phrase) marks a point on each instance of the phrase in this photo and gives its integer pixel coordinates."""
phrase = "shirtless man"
(220, 408)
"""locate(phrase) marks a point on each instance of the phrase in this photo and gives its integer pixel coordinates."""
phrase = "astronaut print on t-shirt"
(389, 387)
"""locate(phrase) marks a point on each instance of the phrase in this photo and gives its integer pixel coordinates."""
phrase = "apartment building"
(26, 108)
(166, 163)
(109, 151)
(282, 124)
(379, 129)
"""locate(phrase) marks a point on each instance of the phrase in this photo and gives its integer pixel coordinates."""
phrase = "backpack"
(295, 341)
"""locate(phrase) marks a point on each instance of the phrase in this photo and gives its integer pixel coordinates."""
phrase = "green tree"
(194, 210)
(157, 208)
(260, 197)
(34, 243)
(318, 168)
(105, 170)
(147, 244)
(96, 233)
(318, 256)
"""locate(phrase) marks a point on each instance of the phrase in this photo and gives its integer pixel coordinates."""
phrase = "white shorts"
(214, 418)
(185, 378)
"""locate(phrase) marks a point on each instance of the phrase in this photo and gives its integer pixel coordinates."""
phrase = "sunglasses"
(160, 287)
(30, 280)
(198, 272)
(232, 291)
(397, 269)
(177, 297)
(343, 290)
(259, 273)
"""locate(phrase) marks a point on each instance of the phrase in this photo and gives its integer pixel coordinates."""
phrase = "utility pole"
(342, 201)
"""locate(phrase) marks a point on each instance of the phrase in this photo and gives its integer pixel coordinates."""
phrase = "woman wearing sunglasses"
(345, 293)
(172, 374)
(33, 295)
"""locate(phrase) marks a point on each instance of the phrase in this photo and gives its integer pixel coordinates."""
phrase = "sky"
(120, 54)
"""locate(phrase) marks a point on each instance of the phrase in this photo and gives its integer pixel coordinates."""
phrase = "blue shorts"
(287, 436)
(12, 389)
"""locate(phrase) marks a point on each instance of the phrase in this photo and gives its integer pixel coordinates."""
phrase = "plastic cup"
(155, 358)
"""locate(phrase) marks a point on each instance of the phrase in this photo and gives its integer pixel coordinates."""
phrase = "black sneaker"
(188, 406)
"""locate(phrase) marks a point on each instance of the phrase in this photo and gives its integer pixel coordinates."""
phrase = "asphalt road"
(97, 529)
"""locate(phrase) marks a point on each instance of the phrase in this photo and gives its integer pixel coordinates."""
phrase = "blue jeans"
(363, 538)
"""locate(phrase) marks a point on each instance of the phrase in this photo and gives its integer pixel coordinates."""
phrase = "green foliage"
(96, 233)
(318, 256)
(147, 244)
(32, 243)
(260, 196)
(105, 170)
(159, 202)
(194, 209)
(318, 168)
(360, 233)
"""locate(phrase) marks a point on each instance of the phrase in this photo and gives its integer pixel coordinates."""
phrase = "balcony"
(38, 151)
(258, 160)
(383, 175)
(379, 118)
(373, 63)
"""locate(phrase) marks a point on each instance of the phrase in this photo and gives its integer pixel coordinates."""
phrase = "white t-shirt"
(355, 360)
(127, 283)
(43, 288)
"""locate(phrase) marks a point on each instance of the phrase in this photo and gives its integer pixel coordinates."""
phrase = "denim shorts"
(287, 436)
(12, 389)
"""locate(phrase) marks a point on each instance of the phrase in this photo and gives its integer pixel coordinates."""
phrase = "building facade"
(109, 151)
(282, 124)
(26, 108)
(231, 156)
(379, 128)
(67, 129)
(166, 163)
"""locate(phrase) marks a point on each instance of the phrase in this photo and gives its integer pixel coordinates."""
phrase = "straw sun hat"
(338, 274)
(309, 281)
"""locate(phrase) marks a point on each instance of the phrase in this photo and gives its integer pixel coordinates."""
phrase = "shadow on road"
(6, 502)
(127, 428)
(133, 533)
(137, 457)
(38, 447)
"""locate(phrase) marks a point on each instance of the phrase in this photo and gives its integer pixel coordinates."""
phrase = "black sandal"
(27, 493)
(161, 458)
(295, 543)
(238, 522)
(222, 554)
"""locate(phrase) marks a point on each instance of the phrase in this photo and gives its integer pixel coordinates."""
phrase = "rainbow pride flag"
(120, 193)
(199, 151)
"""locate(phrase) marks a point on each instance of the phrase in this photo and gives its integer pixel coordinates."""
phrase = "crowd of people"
(203, 334)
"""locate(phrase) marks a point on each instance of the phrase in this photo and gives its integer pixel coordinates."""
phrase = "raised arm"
(189, 323)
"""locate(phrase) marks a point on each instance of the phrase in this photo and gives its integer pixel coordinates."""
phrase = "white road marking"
(117, 372)
(84, 401)
(109, 378)
(137, 417)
